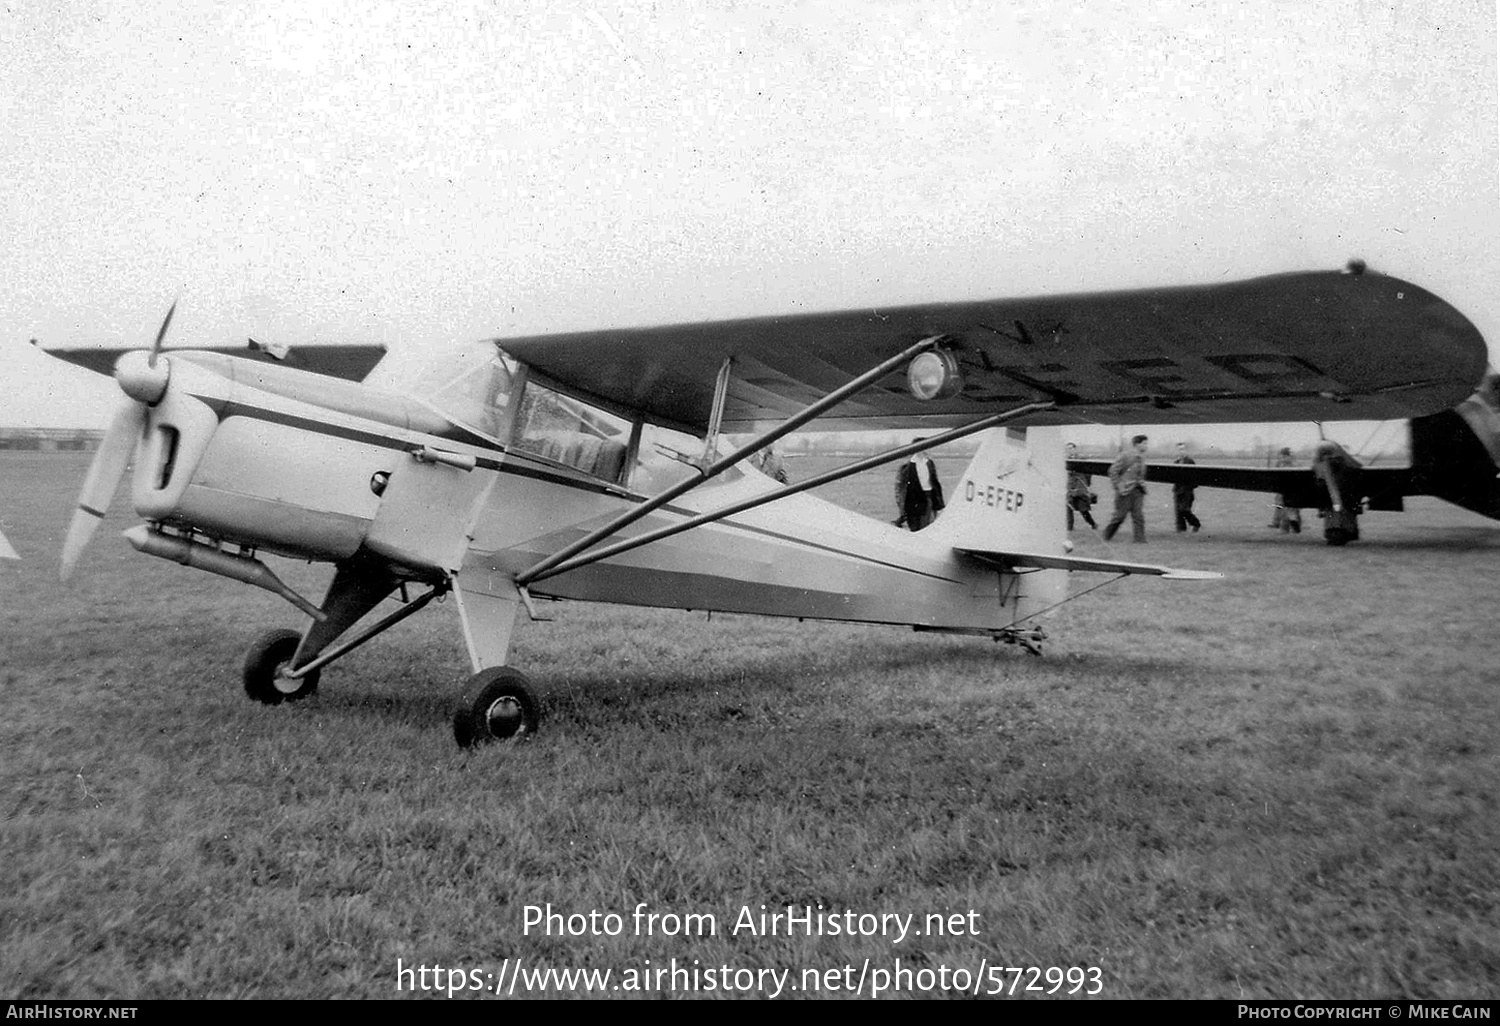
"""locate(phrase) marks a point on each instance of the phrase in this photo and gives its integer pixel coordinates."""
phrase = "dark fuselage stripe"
(536, 472)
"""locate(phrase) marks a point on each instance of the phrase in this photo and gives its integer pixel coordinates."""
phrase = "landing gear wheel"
(496, 706)
(265, 669)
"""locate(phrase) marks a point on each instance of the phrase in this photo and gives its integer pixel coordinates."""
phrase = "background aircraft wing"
(1290, 347)
(1384, 486)
(350, 362)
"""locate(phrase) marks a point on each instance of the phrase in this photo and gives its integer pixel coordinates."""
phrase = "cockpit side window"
(666, 457)
(571, 432)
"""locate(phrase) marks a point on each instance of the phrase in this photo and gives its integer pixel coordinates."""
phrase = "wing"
(350, 362)
(1304, 346)
(1300, 487)
(1043, 561)
(1210, 475)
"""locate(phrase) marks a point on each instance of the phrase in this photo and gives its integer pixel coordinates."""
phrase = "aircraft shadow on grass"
(756, 688)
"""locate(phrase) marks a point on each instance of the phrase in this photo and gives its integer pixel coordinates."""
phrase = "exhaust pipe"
(205, 557)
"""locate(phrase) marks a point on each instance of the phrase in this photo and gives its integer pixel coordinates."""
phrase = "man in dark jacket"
(1081, 497)
(1182, 496)
(919, 494)
(1128, 476)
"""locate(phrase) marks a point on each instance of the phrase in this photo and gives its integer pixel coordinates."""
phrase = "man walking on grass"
(1128, 476)
(1182, 495)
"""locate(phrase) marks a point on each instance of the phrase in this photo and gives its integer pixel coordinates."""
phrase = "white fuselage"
(239, 465)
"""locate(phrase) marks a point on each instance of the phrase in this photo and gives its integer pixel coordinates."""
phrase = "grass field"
(1281, 784)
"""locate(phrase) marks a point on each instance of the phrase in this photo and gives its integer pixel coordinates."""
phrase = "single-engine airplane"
(1455, 456)
(588, 465)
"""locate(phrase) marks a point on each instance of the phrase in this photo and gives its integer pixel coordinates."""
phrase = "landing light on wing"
(934, 375)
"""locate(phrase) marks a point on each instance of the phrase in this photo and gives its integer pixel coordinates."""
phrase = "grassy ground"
(1281, 784)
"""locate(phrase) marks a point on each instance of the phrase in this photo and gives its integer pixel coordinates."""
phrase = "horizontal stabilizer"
(349, 362)
(1042, 561)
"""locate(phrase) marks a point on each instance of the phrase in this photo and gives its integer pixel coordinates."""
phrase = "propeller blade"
(103, 479)
(156, 346)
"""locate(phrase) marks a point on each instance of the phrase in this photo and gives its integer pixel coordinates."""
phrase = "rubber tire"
(271, 651)
(499, 693)
(1338, 536)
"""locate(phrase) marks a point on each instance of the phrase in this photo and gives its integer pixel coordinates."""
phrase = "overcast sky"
(415, 173)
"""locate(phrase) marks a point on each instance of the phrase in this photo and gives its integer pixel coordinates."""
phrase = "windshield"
(482, 389)
(472, 387)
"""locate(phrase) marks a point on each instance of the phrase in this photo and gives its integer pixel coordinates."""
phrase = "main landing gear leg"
(268, 675)
(496, 704)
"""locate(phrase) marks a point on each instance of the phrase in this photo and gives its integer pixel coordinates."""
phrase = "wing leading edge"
(1290, 347)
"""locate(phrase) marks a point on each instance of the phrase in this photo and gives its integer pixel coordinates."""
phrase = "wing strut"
(889, 456)
(329, 655)
(791, 424)
(721, 393)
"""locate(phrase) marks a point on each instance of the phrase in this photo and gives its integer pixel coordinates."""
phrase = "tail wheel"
(266, 664)
(496, 705)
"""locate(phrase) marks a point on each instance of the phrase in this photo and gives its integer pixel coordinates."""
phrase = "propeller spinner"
(144, 382)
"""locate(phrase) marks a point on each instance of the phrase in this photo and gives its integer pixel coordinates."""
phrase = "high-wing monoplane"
(1454, 456)
(591, 466)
